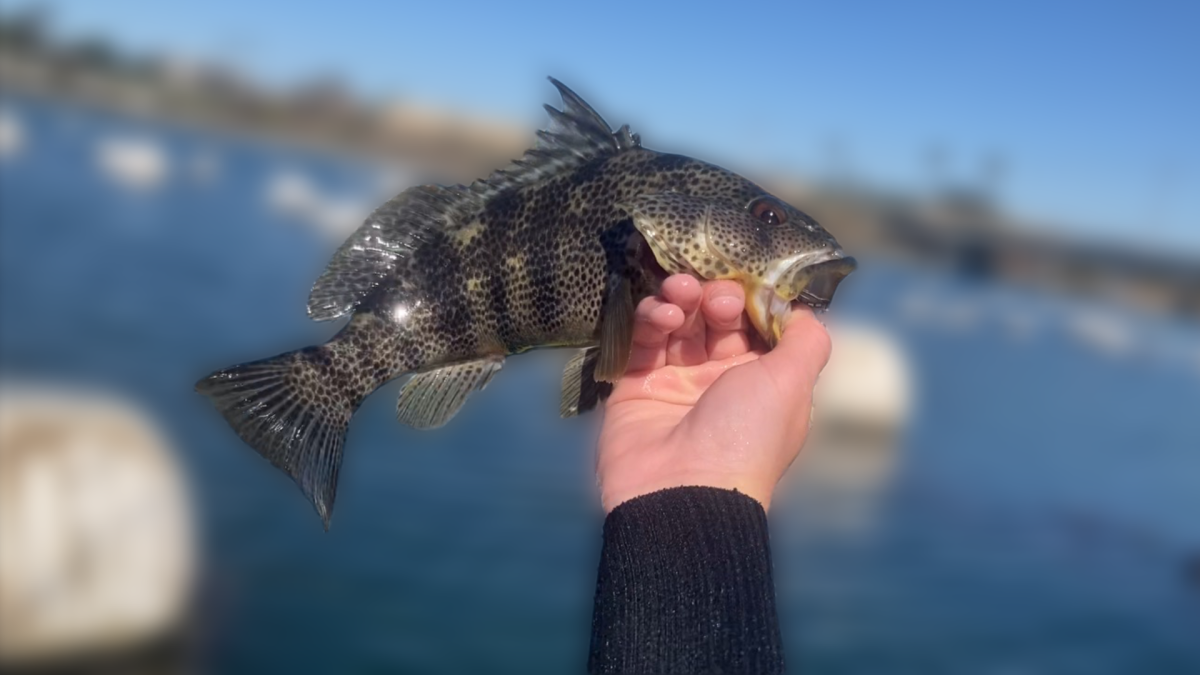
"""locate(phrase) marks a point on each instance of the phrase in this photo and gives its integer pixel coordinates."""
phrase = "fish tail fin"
(290, 409)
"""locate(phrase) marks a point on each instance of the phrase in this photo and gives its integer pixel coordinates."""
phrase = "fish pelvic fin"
(430, 399)
(580, 390)
(288, 409)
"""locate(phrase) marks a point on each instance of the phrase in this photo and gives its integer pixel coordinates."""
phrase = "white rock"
(96, 534)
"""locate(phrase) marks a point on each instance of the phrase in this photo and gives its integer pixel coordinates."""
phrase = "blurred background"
(1005, 476)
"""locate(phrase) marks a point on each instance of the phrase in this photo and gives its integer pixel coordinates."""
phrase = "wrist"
(613, 495)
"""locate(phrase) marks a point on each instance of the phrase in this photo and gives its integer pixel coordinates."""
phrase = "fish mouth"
(810, 278)
(823, 279)
(811, 281)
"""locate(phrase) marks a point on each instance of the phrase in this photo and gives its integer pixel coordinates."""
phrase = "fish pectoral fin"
(431, 398)
(616, 333)
(580, 390)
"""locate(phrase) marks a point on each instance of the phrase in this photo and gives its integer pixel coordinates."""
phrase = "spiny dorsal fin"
(576, 135)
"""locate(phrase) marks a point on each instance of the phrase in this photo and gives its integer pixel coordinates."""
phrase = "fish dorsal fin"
(391, 232)
(576, 135)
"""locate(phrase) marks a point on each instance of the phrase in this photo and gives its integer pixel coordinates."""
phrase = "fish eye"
(769, 212)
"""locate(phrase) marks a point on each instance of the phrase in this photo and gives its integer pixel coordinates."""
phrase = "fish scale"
(445, 282)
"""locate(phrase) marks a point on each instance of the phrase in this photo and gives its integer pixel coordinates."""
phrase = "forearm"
(685, 586)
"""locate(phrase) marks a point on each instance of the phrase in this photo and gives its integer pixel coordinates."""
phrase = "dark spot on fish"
(588, 173)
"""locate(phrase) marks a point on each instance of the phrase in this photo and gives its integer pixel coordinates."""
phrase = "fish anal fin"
(616, 332)
(431, 398)
(580, 390)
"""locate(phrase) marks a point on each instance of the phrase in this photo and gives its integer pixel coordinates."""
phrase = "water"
(1035, 521)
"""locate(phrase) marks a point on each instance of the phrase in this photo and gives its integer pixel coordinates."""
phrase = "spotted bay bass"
(556, 250)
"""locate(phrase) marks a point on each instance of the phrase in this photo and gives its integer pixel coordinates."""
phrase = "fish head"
(778, 253)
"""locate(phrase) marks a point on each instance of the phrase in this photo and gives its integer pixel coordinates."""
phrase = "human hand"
(698, 405)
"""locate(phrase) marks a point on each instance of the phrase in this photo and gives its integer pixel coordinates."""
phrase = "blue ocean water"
(1037, 520)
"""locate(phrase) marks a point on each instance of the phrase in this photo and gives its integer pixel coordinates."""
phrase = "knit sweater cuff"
(685, 586)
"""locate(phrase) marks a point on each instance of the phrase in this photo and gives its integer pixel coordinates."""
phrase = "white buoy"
(291, 193)
(136, 163)
(867, 383)
(1102, 331)
(97, 552)
(338, 218)
(861, 407)
(12, 134)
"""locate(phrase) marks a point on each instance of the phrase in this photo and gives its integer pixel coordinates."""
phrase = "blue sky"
(1093, 107)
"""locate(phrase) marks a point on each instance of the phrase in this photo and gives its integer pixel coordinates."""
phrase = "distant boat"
(134, 162)
(12, 134)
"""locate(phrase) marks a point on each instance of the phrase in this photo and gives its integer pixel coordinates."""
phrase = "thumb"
(801, 354)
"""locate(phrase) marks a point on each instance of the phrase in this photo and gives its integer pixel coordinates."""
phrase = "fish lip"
(825, 275)
(769, 310)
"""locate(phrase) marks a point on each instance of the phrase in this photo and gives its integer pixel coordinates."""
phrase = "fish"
(443, 282)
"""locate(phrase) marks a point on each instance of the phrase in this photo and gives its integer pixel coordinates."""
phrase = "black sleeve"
(685, 587)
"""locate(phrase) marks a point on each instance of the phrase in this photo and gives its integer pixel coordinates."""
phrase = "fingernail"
(723, 301)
